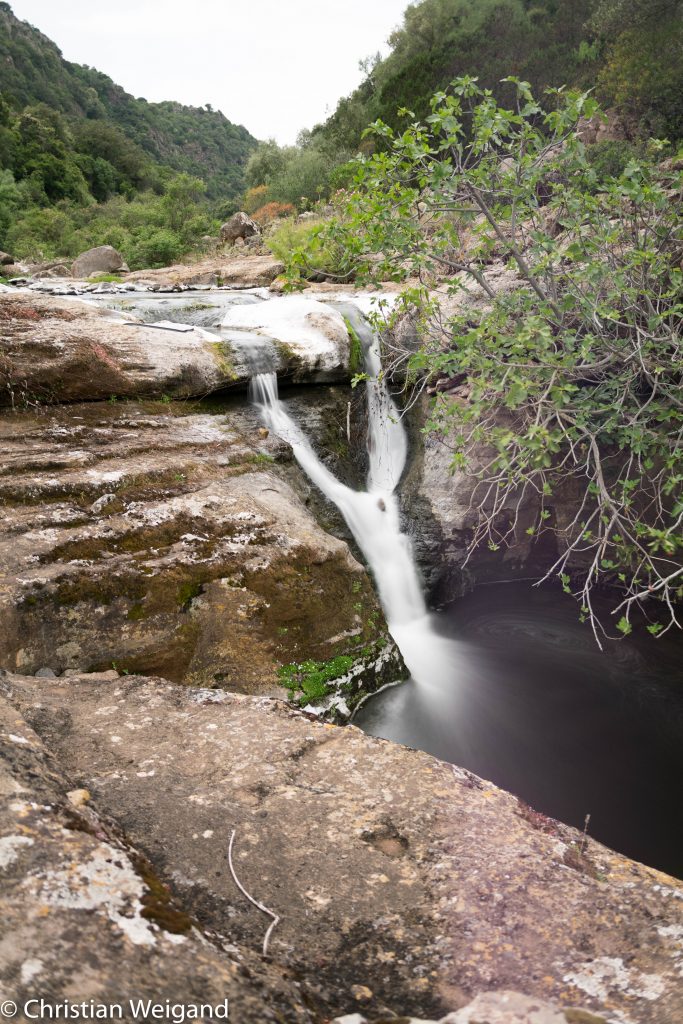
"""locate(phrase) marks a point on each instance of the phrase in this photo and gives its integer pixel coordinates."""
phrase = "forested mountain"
(195, 140)
(629, 50)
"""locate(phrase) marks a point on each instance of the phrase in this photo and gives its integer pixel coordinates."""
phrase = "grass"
(106, 279)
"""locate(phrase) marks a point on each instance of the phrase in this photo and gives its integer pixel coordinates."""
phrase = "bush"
(308, 253)
(610, 158)
(161, 248)
(255, 198)
(273, 211)
(572, 378)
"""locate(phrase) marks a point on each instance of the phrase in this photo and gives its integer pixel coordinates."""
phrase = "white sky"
(275, 66)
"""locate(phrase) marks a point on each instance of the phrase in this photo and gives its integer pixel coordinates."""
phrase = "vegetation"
(571, 379)
(312, 679)
(83, 163)
(631, 47)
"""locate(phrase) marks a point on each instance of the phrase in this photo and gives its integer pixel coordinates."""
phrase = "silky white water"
(372, 515)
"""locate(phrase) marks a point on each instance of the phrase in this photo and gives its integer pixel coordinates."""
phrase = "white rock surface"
(314, 332)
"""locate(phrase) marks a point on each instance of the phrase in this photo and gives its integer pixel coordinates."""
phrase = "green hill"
(195, 140)
(628, 50)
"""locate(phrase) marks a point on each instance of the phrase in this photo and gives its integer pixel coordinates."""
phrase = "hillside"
(198, 141)
(627, 50)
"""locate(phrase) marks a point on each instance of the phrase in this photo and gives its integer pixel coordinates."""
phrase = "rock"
(45, 673)
(101, 355)
(241, 226)
(239, 243)
(78, 797)
(397, 878)
(234, 271)
(89, 918)
(101, 503)
(6, 259)
(278, 285)
(103, 259)
(97, 355)
(164, 539)
(60, 271)
(515, 1008)
(309, 340)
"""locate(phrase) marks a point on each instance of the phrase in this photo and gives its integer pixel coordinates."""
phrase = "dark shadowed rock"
(6, 259)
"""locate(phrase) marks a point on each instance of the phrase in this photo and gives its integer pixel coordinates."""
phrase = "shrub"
(611, 157)
(273, 211)
(255, 198)
(160, 248)
(573, 377)
(310, 254)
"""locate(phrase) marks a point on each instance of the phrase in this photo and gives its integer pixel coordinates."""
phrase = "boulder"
(63, 349)
(240, 225)
(55, 270)
(103, 259)
(402, 885)
(5, 258)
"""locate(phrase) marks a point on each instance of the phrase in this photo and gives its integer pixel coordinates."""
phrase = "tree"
(571, 379)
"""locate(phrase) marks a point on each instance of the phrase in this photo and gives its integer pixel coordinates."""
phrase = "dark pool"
(529, 702)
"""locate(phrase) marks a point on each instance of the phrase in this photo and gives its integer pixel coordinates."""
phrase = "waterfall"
(372, 515)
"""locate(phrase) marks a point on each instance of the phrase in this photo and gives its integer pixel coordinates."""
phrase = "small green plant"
(311, 679)
(105, 279)
(356, 361)
(311, 254)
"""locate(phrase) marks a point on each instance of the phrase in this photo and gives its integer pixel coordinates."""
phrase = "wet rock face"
(441, 509)
(402, 884)
(166, 539)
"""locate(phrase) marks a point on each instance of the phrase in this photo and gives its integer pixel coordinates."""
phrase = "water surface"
(522, 696)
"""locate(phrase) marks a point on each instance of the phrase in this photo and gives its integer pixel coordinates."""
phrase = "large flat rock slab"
(248, 271)
(55, 349)
(403, 881)
(85, 918)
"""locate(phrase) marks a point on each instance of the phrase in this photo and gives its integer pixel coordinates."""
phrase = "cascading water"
(372, 515)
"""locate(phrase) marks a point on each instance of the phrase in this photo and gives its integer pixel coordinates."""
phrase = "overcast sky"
(275, 66)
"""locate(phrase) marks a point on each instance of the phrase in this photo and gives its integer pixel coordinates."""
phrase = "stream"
(506, 682)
